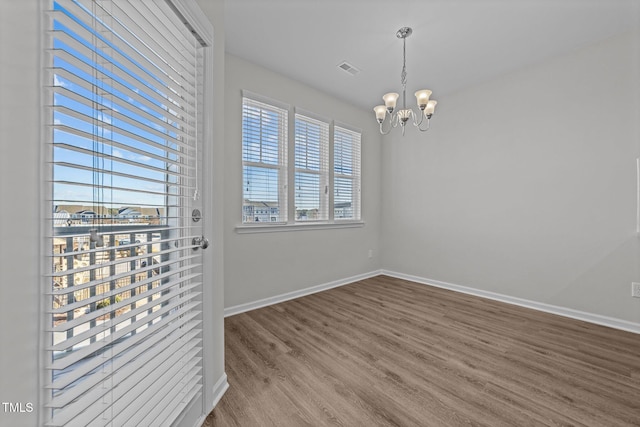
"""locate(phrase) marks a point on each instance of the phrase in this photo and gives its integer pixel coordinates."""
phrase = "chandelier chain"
(403, 75)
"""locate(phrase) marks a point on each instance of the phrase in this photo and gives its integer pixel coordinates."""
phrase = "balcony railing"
(117, 282)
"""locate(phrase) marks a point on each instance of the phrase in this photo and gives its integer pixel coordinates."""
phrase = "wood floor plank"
(389, 352)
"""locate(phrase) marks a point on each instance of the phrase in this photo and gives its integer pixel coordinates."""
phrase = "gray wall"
(19, 207)
(263, 265)
(526, 185)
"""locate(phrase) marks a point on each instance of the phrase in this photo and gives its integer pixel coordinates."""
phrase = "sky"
(125, 133)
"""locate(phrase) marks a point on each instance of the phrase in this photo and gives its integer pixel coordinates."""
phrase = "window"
(124, 323)
(324, 169)
(311, 169)
(264, 160)
(346, 169)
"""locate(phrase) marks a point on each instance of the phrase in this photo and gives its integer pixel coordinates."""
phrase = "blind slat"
(130, 375)
(159, 394)
(162, 412)
(146, 124)
(112, 173)
(167, 287)
(126, 349)
(94, 283)
(132, 56)
(95, 347)
(120, 94)
(111, 158)
(129, 247)
(136, 359)
(161, 41)
(123, 319)
(108, 128)
(150, 98)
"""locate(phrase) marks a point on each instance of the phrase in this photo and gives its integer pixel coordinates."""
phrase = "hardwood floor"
(388, 352)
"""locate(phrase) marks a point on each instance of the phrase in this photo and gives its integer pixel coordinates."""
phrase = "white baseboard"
(597, 319)
(219, 389)
(241, 308)
(548, 308)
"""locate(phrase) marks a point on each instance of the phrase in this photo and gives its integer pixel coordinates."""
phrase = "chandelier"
(402, 116)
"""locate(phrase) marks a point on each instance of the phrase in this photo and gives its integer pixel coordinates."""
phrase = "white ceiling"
(455, 43)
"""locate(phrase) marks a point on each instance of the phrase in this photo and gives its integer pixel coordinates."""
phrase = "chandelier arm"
(394, 120)
(390, 126)
(428, 125)
(417, 123)
(383, 132)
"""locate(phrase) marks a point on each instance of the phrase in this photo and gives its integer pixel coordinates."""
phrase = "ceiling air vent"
(348, 68)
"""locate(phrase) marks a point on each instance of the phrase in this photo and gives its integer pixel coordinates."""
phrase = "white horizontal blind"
(311, 169)
(264, 162)
(124, 308)
(346, 165)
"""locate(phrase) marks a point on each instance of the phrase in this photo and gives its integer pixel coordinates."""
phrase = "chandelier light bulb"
(422, 96)
(430, 108)
(390, 101)
(381, 112)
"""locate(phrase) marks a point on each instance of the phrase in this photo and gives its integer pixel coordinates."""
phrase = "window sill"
(275, 228)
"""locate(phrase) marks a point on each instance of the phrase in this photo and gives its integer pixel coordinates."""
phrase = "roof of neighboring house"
(260, 203)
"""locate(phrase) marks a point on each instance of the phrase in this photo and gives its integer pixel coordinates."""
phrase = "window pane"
(308, 140)
(343, 152)
(308, 197)
(261, 131)
(343, 197)
(346, 189)
(261, 195)
(264, 139)
(311, 169)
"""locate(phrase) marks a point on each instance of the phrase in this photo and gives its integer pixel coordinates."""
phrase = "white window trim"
(291, 224)
(299, 226)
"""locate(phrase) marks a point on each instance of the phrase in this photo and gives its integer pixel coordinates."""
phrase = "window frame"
(289, 167)
(280, 167)
(355, 177)
(322, 171)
